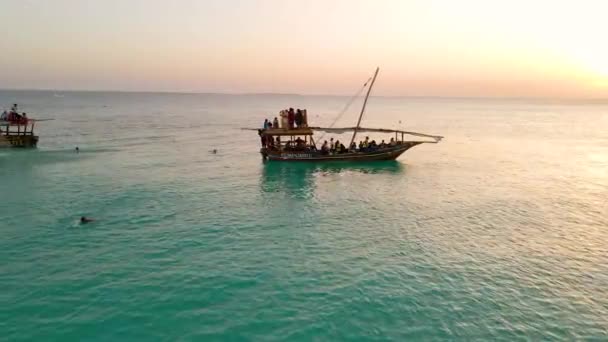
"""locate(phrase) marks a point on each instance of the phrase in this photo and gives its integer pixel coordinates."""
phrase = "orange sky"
(434, 48)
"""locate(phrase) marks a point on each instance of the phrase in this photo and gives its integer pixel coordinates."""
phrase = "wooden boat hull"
(23, 141)
(390, 153)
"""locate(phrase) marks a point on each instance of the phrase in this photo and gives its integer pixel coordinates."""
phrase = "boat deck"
(380, 153)
(287, 131)
(17, 134)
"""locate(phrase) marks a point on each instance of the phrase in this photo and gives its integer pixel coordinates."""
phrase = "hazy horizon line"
(299, 94)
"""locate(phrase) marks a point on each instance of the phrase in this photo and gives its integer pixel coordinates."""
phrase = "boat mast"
(363, 108)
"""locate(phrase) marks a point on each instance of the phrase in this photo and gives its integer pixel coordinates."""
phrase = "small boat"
(18, 134)
(298, 144)
(17, 130)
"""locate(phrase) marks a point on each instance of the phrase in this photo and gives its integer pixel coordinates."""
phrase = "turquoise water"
(497, 233)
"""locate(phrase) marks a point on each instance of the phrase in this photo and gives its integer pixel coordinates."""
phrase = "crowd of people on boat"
(328, 148)
(290, 119)
(298, 144)
(336, 147)
(13, 116)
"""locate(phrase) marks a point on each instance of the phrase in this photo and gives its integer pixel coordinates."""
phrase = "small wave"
(142, 138)
(20, 158)
(97, 150)
(81, 150)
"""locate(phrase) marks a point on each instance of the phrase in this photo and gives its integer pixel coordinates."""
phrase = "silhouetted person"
(85, 219)
(298, 118)
(291, 117)
(325, 148)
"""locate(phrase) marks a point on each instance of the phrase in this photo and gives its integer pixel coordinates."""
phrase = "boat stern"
(264, 153)
(23, 141)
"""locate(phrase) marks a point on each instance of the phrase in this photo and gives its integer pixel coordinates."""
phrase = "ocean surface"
(499, 232)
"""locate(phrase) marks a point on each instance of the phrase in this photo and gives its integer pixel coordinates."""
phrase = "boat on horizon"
(289, 143)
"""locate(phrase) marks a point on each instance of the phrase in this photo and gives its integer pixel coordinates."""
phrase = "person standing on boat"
(4, 116)
(266, 124)
(16, 118)
(299, 118)
(325, 148)
(336, 146)
(291, 117)
(304, 118)
(275, 123)
(283, 115)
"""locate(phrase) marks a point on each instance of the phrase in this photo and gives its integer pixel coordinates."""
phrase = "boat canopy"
(283, 131)
(339, 130)
(22, 122)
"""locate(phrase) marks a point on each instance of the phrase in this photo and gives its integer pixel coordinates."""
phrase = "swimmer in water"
(85, 219)
(77, 149)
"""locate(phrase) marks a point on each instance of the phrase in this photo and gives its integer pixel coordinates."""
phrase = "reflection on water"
(385, 167)
(298, 179)
(293, 178)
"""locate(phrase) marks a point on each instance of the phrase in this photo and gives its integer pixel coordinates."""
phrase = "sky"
(533, 48)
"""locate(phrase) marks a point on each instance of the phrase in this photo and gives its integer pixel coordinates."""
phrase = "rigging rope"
(348, 104)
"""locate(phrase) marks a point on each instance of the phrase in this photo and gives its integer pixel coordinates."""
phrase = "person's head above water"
(85, 219)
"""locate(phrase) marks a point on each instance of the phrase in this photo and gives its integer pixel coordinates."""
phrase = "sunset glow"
(434, 48)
